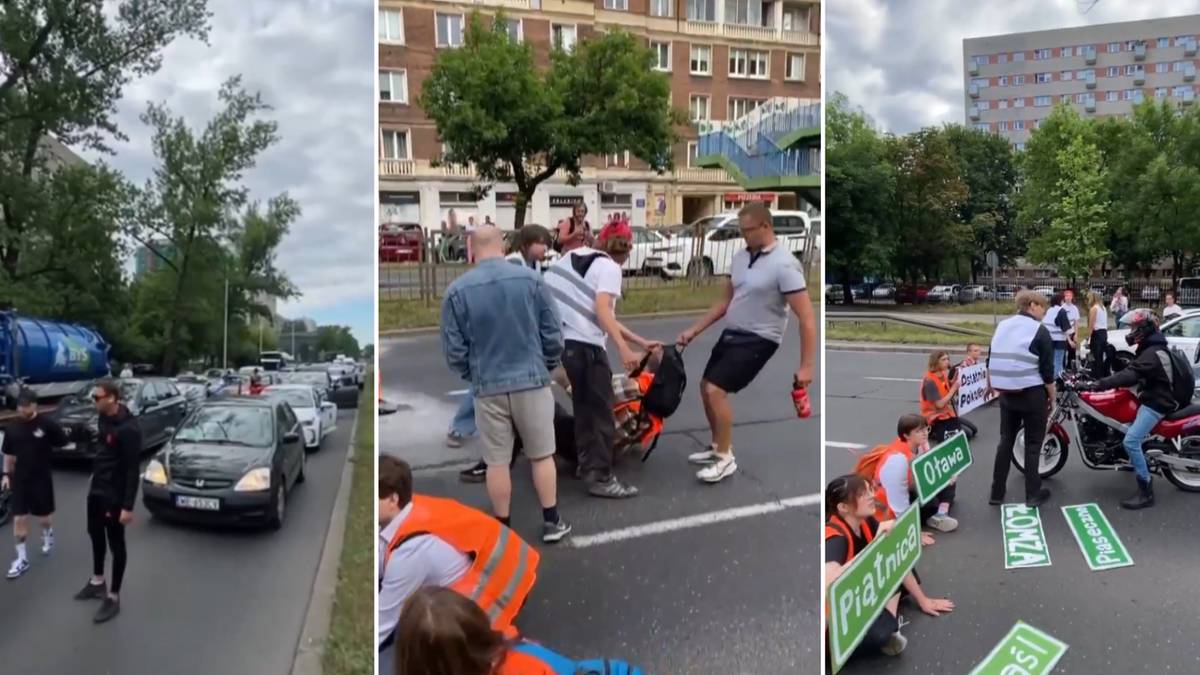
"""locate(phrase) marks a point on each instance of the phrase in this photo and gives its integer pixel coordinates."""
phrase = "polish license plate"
(199, 503)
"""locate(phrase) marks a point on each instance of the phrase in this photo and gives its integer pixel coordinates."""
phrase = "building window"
(796, 19)
(1002, 58)
(1002, 104)
(748, 63)
(1066, 52)
(1003, 81)
(795, 67)
(1018, 80)
(1181, 90)
(1066, 76)
(1114, 48)
(1163, 42)
(741, 106)
(449, 30)
(1085, 74)
(1018, 125)
(701, 61)
(391, 26)
(661, 7)
(1178, 66)
(618, 160)
(744, 12)
(1161, 68)
(1160, 92)
(983, 105)
(1114, 71)
(562, 36)
(1130, 45)
(393, 86)
(394, 144)
(1041, 54)
(983, 126)
(700, 107)
(515, 30)
(702, 10)
(662, 55)
(1042, 274)
(979, 60)
(1183, 40)
(1018, 56)
(1084, 99)
(693, 151)
(980, 82)
(1127, 95)
(621, 5)
(1020, 274)
(1019, 102)
(1002, 126)
(1043, 78)
(1111, 96)
(1041, 101)
(1135, 69)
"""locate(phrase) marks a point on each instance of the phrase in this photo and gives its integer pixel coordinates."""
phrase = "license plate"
(200, 503)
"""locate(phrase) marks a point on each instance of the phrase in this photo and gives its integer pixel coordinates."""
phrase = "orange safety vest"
(836, 527)
(928, 411)
(644, 380)
(503, 567)
(870, 465)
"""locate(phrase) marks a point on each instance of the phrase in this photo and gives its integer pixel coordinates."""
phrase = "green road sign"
(1024, 651)
(1024, 541)
(934, 470)
(858, 595)
(1097, 539)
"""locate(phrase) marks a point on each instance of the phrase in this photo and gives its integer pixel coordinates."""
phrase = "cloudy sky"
(311, 60)
(901, 60)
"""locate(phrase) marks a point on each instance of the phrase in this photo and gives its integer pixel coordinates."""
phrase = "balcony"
(744, 32)
(973, 67)
(1089, 55)
(1189, 48)
(694, 175)
(1189, 97)
(974, 91)
(421, 168)
(1139, 77)
(1090, 80)
(973, 112)
(1089, 105)
(1139, 51)
(1189, 73)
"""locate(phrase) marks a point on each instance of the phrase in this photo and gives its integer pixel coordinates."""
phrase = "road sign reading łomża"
(1097, 539)
(859, 593)
(934, 470)
(1024, 540)
(1024, 651)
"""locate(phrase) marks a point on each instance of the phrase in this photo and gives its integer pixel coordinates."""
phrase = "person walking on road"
(501, 333)
(27, 445)
(1022, 369)
(1098, 340)
(1058, 323)
(765, 281)
(111, 497)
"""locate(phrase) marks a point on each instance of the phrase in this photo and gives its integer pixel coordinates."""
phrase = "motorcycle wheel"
(1053, 457)
(1184, 479)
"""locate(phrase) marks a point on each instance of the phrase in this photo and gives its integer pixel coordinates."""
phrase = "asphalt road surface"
(196, 600)
(1137, 619)
(733, 597)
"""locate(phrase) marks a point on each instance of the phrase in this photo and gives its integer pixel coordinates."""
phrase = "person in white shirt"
(1171, 309)
(1073, 316)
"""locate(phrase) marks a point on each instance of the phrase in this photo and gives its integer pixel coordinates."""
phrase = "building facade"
(723, 57)
(1011, 82)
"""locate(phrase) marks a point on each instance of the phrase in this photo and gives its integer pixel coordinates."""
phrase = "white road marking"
(458, 392)
(698, 520)
(846, 446)
(893, 379)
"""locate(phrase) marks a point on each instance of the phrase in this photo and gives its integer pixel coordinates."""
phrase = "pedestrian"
(766, 280)
(586, 284)
(1170, 309)
(1021, 368)
(111, 496)
(889, 469)
(937, 397)
(1073, 317)
(1058, 323)
(470, 237)
(574, 232)
(1119, 305)
(28, 441)
(1098, 340)
(487, 221)
(502, 333)
(126, 372)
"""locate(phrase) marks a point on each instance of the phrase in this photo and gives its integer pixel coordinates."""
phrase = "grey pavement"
(1137, 619)
(740, 596)
(196, 600)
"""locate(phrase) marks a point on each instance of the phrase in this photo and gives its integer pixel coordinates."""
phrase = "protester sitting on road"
(427, 541)
(938, 394)
(28, 442)
(502, 333)
(1170, 309)
(1098, 340)
(850, 526)
(1058, 322)
(586, 284)
(765, 281)
(888, 468)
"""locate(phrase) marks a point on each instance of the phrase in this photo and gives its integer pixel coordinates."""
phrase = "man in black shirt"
(111, 496)
(27, 445)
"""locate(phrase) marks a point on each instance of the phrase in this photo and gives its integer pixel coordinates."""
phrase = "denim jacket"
(500, 328)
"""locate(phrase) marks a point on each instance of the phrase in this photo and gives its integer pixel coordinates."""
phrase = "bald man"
(501, 332)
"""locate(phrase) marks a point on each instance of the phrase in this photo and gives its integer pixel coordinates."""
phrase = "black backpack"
(1179, 376)
(670, 380)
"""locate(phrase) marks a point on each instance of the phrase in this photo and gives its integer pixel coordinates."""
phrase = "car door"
(292, 450)
(328, 415)
(177, 405)
(1184, 334)
(150, 417)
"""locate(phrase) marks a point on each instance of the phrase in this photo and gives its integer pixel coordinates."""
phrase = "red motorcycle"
(1093, 423)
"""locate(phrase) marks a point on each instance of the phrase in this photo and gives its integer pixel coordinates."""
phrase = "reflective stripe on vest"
(1056, 333)
(1012, 367)
(928, 411)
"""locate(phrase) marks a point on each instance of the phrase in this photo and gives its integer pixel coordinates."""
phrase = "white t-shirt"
(603, 276)
(893, 476)
(1171, 310)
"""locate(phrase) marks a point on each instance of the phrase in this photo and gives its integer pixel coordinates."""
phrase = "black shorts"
(737, 359)
(32, 495)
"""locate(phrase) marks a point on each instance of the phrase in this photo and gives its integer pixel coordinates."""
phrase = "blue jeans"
(1060, 359)
(1142, 425)
(463, 423)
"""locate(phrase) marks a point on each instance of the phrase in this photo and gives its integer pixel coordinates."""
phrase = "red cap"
(618, 229)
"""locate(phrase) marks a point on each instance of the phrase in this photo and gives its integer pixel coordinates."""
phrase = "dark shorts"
(32, 495)
(737, 359)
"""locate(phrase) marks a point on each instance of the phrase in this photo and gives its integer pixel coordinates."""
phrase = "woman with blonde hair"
(1098, 342)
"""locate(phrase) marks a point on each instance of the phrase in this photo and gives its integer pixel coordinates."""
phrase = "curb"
(884, 347)
(405, 332)
(310, 650)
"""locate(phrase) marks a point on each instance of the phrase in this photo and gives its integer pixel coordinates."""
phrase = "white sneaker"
(706, 457)
(895, 644)
(19, 566)
(942, 523)
(721, 468)
(47, 542)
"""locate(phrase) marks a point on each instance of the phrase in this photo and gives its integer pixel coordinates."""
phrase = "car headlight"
(255, 480)
(156, 473)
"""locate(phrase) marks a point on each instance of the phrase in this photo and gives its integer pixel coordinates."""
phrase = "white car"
(1183, 333)
(884, 291)
(1046, 291)
(721, 239)
(319, 419)
(642, 258)
(943, 293)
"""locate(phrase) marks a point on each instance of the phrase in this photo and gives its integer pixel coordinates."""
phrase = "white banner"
(972, 388)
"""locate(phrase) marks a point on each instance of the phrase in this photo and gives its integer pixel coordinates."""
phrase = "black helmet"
(1142, 323)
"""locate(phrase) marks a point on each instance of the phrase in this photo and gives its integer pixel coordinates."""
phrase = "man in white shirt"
(1072, 311)
(1171, 309)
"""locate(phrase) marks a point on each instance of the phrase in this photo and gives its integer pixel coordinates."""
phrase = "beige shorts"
(530, 412)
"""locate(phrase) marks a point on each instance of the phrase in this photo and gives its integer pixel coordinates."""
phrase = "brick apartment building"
(724, 58)
(1012, 82)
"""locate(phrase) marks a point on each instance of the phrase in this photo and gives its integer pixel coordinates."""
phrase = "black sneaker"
(554, 532)
(612, 489)
(92, 591)
(108, 609)
(475, 474)
(1038, 499)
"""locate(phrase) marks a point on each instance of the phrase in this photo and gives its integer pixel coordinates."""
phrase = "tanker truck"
(54, 358)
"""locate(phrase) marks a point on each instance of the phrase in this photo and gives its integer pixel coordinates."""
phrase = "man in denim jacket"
(502, 333)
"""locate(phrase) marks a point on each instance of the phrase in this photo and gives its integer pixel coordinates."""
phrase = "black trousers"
(103, 524)
(1098, 346)
(940, 430)
(878, 634)
(592, 395)
(1026, 409)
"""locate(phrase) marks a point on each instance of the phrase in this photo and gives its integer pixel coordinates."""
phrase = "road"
(1133, 619)
(735, 597)
(196, 601)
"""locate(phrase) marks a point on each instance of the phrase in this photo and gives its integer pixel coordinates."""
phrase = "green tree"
(496, 110)
(929, 194)
(986, 165)
(1074, 241)
(334, 340)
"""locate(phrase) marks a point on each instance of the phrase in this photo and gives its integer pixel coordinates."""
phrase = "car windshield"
(306, 377)
(298, 398)
(239, 425)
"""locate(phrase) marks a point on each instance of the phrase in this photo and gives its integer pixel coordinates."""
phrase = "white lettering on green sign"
(1024, 540)
(1025, 650)
(1098, 541)
(935, 469)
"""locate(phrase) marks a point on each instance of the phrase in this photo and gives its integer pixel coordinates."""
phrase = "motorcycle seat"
(1190, 410)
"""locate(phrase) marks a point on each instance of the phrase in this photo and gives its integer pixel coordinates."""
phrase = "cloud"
(901, 60)
(312, 61)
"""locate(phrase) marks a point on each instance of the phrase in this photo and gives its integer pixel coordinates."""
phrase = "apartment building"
(1011, 82)
(723, 57)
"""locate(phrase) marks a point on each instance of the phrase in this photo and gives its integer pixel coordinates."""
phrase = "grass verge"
(875, 330)
(350, 647)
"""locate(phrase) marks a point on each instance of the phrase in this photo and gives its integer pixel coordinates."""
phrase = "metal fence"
(1139, 293)
(661, 259)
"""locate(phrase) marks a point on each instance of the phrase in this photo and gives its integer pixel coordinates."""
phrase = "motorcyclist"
(1148, 372)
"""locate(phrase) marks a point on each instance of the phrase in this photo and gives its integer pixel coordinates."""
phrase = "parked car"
(1150, 293)
(721, 239)
(155, 402)
(194, 388)
(234, 460)
(322, 381)
(401, 242)
(974, 293)
(1182, 331)
(884, 291)
(642, 258)
(1046, 291)
(912, 295)
(944, 293)
(317, 417)
(343, 391)
(1005, 292)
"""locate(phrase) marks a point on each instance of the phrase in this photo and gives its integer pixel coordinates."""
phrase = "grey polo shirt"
(761, 284)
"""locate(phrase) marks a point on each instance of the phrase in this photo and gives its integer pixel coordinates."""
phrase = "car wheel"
(278, 507)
